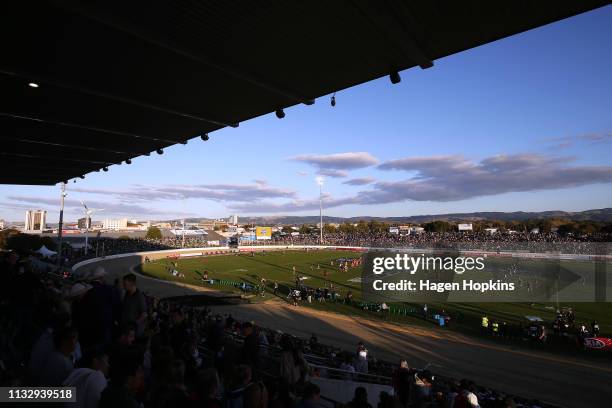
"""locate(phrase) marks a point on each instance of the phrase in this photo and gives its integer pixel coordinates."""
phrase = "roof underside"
(119, 79)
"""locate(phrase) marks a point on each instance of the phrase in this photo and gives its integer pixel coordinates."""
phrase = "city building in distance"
(115, 224)
(35, 220)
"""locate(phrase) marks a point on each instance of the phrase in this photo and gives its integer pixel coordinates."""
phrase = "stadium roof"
(119, 79)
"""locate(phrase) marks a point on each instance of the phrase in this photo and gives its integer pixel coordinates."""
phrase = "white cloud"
(338, 161)
(293, 205)
(216, 192)
(569, 141)
(110, 208)
(359, 181)
(332, 173)
(451, 178)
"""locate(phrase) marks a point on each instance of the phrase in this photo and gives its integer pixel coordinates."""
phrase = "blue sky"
(524, 123)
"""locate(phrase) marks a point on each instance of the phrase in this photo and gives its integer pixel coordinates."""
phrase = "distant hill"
(601, 215)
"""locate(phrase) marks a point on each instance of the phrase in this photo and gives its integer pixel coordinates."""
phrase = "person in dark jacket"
(250, 350)
(134, 306)
(126, 381)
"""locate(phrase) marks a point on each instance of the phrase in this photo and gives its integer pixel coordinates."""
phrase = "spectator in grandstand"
(385, 400)
(127, 336)
(59, 363)
(44, 346)
(207, 390)
(126, 381)
(313, 340)
(242, 379)
(402, 384)
(179, 331)
(250, 350)
(421, 388)
(360, 399)
(293, 366)
(283, 397)
(105, 306)
(361, 359)
(215, 337)
(89, 378)
(92, 315)
(229, 321)
(172, 391)
(310, 396)
(347, 365)
(192, 357)
(134, 306)
(256, 396)
(466, 397)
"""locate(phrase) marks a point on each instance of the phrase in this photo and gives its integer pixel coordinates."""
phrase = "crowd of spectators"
(122, 348)
(540, 242)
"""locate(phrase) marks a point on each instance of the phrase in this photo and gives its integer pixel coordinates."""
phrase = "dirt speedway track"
(553, 378)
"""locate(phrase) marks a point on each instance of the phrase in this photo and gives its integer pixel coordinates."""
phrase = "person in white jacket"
(89, 379)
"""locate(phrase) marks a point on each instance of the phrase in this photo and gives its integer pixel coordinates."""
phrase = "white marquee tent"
(46, 252)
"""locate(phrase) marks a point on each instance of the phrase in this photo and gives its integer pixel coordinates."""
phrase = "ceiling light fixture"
(395, 78)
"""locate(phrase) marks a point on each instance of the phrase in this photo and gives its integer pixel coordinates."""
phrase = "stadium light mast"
(183, 241)
(60, 226)
(88, 213)
(320, 181)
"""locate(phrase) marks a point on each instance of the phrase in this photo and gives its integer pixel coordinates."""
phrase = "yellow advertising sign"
(263, 232)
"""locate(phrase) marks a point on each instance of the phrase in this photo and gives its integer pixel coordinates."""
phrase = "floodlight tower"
(183, 241)
(60, 226)
(88, 213)
(320, 181)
